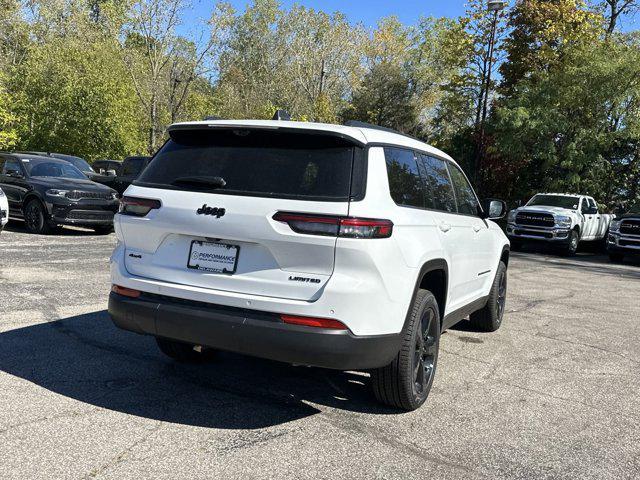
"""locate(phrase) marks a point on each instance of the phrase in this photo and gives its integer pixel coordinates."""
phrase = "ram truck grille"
(535, 219)
(630, 227)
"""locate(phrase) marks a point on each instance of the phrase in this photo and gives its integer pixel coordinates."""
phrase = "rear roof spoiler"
(286, 128)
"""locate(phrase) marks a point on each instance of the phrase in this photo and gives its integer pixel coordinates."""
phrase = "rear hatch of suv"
(217, 208)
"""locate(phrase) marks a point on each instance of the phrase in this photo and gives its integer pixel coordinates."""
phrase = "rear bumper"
(84, 213)
(250, 332)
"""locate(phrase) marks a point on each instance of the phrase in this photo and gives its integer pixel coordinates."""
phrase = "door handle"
(445, 227)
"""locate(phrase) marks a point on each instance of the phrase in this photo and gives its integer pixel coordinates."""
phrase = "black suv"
(81, 164)
(131, 169)
(624, 233)
(46, 192)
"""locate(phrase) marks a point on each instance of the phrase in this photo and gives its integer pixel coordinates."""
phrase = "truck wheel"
(571, 248)
(489, 317)
(616, 257)
(405, 383)
(183, 352)
(35, 218)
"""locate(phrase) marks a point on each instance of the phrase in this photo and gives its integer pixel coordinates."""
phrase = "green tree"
(71, 92)
(542, 31)
(406, 70)
(575, 127)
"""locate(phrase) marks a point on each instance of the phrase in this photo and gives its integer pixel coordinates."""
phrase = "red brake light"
(336, 226)
(313, 322)
(137, 207)
(365, 228)
(127, 292)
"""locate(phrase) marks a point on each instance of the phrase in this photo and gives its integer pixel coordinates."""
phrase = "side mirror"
(493, 209)
(13, 173)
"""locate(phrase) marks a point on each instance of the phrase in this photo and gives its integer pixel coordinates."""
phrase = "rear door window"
(255, 162)
(405, 184)
(11, 164)
(439, 190)
(465, 196)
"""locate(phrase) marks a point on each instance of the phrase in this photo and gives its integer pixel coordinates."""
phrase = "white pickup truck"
(558, 218)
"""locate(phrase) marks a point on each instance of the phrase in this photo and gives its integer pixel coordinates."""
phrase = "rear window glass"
(405, 185)
(255, 162)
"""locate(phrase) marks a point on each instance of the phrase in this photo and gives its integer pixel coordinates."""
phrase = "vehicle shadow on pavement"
(66, 231)
(88, 359)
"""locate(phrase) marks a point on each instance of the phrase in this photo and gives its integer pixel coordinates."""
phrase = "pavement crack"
(122, 456)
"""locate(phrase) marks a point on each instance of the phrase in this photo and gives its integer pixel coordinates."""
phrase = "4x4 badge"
(214, 211)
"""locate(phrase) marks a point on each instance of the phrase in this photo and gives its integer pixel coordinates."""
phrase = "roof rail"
(212, 117)
(359, 124)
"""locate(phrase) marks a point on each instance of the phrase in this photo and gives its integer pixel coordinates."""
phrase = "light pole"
(495, 6)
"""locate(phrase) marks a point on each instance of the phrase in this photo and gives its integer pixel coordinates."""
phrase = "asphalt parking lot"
(553, 394)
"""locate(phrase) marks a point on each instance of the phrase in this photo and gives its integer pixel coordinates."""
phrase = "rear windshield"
(255, 162)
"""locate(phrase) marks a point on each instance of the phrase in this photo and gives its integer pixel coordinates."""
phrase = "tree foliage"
(104, 78)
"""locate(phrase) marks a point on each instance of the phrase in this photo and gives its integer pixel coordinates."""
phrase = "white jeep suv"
(344, 247)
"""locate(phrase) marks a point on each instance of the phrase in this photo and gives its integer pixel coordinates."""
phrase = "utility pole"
(321, 87)
(322, 74)
(495, 6)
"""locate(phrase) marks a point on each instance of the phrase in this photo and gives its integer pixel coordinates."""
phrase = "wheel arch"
(433, 276)
(31, 196)
(504, 256)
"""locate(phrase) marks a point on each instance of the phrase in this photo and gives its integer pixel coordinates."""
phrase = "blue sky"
(368, 11)
(365, 11)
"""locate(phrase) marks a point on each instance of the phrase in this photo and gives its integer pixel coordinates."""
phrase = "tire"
(35, 218)
(489, 318)
(183, 352)
(103, 229)
(616, 257)
(406, 382)
(571, 247)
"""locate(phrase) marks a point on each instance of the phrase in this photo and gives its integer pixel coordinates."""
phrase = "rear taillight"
(335, 226)
(137, 207)
(313, 322)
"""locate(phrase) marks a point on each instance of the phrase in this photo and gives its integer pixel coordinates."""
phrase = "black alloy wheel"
(35, 219)
(501, 299)
(425, 353)
(405, 383)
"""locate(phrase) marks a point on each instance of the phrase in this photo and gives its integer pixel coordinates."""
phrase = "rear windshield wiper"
(212, 182)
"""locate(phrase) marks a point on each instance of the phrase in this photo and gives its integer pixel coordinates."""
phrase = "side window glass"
(467, 201)
(585, 206)
(11, 164)
(593, 204)
(405, 184)
(439, 191)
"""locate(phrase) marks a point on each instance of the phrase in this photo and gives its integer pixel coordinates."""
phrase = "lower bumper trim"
(252, 333)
